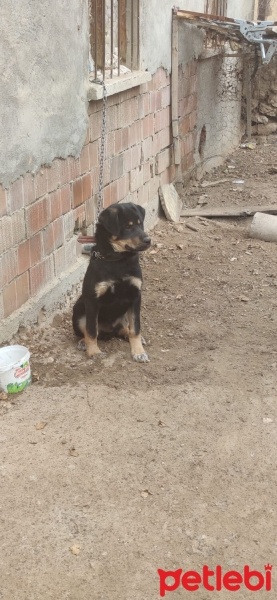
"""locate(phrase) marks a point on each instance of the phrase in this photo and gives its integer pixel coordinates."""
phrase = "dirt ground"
(111, 469)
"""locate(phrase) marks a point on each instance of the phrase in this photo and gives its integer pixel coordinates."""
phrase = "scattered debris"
(267, 420)
(41, 425)
(248, 145)
(3, 396)
(192, 227)
(238, 181)
(75, 549)
(73, 451)
(146, 493)
(206, 184)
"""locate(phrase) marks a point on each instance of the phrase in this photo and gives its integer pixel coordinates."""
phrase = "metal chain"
(102, 152)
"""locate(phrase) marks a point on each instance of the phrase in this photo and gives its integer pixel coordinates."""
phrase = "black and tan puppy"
(111, 294)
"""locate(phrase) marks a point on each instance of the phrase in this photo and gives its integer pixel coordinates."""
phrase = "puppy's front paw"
(142, 358)
(81, 345)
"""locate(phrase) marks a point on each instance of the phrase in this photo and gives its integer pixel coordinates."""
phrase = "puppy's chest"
(127, 286)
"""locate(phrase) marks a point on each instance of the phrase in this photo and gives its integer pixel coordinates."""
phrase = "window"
(114, 38)
(216, 7)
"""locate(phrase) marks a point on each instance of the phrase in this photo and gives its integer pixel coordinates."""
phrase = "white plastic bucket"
(15, 372)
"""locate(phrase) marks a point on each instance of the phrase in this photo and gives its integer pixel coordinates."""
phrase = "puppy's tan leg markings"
(137, 350)
(135, 281)
(91, 345)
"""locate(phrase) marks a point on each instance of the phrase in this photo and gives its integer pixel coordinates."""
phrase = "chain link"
(102, 152)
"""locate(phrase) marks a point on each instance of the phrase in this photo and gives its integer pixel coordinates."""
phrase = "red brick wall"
(38, 213)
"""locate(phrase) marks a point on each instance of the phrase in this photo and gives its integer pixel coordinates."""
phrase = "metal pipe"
(95, 40)
(112, 38)
(104, 37)
(118, 34)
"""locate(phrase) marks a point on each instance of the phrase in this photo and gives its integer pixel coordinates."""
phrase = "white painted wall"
(156, 27)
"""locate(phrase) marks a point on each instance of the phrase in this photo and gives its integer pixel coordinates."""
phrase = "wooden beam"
(229, 211)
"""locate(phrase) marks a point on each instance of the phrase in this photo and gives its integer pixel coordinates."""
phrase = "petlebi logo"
(216, 580)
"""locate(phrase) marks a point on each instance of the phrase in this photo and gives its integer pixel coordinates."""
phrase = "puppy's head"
(124, 224)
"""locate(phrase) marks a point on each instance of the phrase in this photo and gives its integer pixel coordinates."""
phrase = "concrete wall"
(156, 27)
(43, 65)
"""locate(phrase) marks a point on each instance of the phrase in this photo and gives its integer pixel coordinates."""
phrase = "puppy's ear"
(141, 212)
(109, 219)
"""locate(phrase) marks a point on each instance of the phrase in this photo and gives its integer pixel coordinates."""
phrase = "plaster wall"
(156, 28)
(43, 64)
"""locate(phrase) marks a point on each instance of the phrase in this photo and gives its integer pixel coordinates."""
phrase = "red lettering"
(206, 574)
(191, 581)
(165, 587)
(253, 587)
(232, 581)
(268, 580)
(218, 578)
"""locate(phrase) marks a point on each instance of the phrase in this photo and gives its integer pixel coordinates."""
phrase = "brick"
(53, 176)
(184, 126)
(41, 274)
(166, 96)
(48, 240)
(155, 101)
(84, 160)
(22, 289)
(147, 149)
(162, 119)
(114, 191)
(135, 133)
(58, 232)
(136, 179)
(123, 187)
(146, 104)
(90, 211)
(29, 189)
(187, 105)
(116, 169)
(37, 216)
(107, 198)
(18, 226)
(65, 198)
(95, 126)
(41, 183)
(55, 205)
(74, 168)
(64, 174)
(146, 172)
(9, 299)
(36, 248)
(68, 224)
(163, 160)
(127, 160)
(65, 256)
(148, 125)
(24, 257)
(125, 138)
(109, 144)
(77, 193)
(107, 171)
(3, 201)
(8, 267)
(95, 180)
(135, 156)
(87, 186)
(93, 154)
(6, 237)
(160, 78)
(15, 195)
(86, 142)
(118, 146)
(1, 306)
(162, 140)
(79, 217)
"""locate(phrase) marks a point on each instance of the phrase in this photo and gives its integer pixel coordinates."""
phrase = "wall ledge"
(118, 84)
